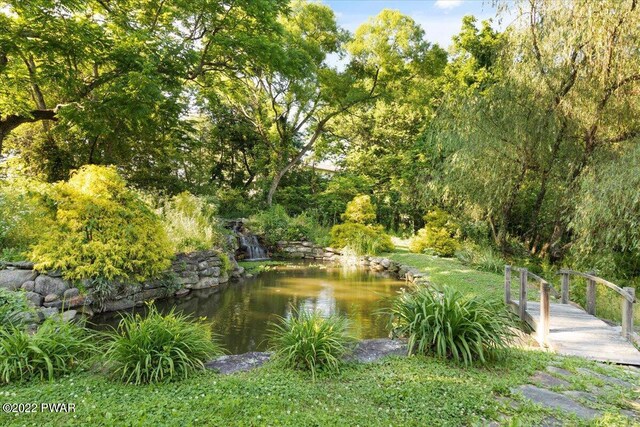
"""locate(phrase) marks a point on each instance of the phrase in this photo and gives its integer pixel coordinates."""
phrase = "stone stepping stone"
(552, 400)
(559, 371)
(575, 394)
(375, 349)
(546, 380)
(606, 378)
(238, 362)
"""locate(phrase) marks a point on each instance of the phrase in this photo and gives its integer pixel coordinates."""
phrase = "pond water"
(240, 314)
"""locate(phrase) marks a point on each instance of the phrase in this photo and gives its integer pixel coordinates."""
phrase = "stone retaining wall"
(309, 250)
(50, 294)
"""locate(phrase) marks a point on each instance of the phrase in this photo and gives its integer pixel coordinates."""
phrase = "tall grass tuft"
(311, 342)
(57, 348)
(451, 325)
(158, 347)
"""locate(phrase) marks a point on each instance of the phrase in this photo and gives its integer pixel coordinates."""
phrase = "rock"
(546, 380)
(205, 282)
(210, 272)
(574, 394)
(386, 263)
(182, 292)
(203, 265)
(375, 349)
(559, 371)
(224, 278)
(54, 273)
(238, 362)
(188, 278)
(85, 310)
(69, 315)
(71, 293)
(237, 273)
(553, 400)
(13, 279)
(51, 298)
(49, 312)
(121, 304)
(74, 302)
(18, 265)
(307, 244)
(46, 285)
(29, 286)
(34, 298)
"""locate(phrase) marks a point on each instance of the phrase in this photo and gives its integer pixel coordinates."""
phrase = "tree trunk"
(13, 121)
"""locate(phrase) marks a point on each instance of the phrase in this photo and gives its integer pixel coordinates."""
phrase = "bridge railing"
(627, 294)
(545, 291)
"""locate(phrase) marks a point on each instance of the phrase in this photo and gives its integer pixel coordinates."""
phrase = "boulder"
(188, 278)
(46, 285)
(85, 310)
(13, 279)
(121, 304)
(237, 273)
(182, 292)
(69, 315)
(48, 312)
(34, 298)
(224, 278)
(71, 293)
(203, 265)
(77, 301)
(385, 262)
(51, 298)
(29, 286)
(209, 272)
(18, 265)
(204, 283)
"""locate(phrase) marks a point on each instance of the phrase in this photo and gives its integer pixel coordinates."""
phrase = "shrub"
(438, 235)
(451, 325)
(191, 223)
(102, 230)
(360, 210)
(274, 225)
(13, 306)
(361, 239)
(57, 348)
(158, 347)
(481, 258)
(311, 342)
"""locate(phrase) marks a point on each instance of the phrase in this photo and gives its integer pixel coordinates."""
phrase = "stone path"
(552, 389)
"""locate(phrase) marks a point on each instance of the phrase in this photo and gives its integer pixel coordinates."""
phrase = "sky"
(440, 19)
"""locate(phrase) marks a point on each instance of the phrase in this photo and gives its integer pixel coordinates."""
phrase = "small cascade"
(249, 247)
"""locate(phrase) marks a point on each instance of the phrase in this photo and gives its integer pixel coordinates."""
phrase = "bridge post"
(523, 294)
(507, 284)
(543, 326)
(627, 314)
(565, 288)
(591, 296)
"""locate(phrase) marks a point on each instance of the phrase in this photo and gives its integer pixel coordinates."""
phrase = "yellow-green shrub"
(191, 223)
(360, 210)
(438, 235)
(361, 239)
(101, 229)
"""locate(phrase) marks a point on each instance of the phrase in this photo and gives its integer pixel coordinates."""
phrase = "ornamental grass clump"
(311, 342)
(57, 348)
(159, 347)
(448, 324)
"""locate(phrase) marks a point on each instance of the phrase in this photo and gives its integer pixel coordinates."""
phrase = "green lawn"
(413, 391)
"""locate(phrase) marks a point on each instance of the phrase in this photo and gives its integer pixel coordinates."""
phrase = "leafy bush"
(438, 235)
(191, 223)
(311, 342)
(13, 305)
(57, 348)
(450, 325)
(360, 210)
(102, 230)
(274, 225)
(158, 347)
(361, 239)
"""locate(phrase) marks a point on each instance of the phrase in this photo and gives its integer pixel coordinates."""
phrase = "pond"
(240, 314)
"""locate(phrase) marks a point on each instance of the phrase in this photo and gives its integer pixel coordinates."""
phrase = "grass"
(414, 391)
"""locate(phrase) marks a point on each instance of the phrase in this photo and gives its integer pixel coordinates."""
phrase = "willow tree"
(569, 77)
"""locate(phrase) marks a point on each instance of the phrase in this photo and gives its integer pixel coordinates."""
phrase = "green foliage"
(13, 306)
(361, 239)
(438, 235)
(481, 258)
(274, 225)
(360, 210)
(158, 347)
(191, 223)
(307, 340)
(446, 323)
(101, 229)
(57, 348)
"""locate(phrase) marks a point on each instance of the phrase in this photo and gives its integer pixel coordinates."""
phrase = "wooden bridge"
(567, 328)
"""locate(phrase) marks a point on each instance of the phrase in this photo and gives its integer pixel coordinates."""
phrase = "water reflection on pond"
(241, 313)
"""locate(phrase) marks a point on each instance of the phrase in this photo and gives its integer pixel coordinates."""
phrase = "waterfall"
(250, 245)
